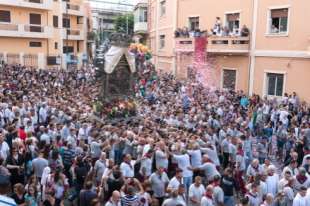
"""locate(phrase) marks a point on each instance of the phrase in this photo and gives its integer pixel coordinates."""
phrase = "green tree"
(124, 23)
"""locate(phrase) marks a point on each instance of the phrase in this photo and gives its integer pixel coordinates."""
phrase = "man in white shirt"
(5, 200)
(208, 168)
(126, 167)
(184, 164)
(196, 192)
(161, 157)
(4, 147)
(176, 181)
(301, 198)
(272, 181)
(99, 168)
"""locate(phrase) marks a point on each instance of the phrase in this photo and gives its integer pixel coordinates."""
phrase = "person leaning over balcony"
(245, 31)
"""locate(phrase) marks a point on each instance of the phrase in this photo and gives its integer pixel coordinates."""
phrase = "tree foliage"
(122, 21)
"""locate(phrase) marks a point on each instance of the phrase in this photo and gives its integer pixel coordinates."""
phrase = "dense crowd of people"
(188, 145)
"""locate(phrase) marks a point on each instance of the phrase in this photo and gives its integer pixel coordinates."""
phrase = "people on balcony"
(245, 32)
(217, 30)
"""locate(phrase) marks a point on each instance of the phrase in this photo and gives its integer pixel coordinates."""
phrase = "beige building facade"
(272, 60)
(44, 33)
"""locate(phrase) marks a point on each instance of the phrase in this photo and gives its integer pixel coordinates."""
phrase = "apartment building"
(140, 21)
(44, 33)
(272, 60)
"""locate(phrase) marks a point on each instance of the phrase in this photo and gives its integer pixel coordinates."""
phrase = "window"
(229, 79)
(35, 44)
(56, 45)
(233, 22)
(275, 84)
(278, 22)
(193, 23)
(142, 15)
(162, 8)
(5, 16)
(78, 46)
(35, 1)
(68, 49)
(35, 19)
(66, 22)
(161, 41)
(55, 21)
(79, 20)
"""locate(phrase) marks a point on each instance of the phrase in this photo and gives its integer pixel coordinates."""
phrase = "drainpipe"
(175, 24)
(253, 46)
(156, 30)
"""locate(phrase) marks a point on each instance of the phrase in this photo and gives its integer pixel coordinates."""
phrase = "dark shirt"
(86, 196)
(18, 200)
(228, 184)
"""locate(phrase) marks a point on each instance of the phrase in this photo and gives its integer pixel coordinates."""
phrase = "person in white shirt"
(146, 164)
(174, 200)
(115, 199)
(195, 156)
(208, 168)
(126, 167)
(272, 181)
(4, 147)
(253, 195)
(161, 157)
(196, 192)
(176, 181)
(207, 199)
(99, 168)
(83, 132)
(184, 164)
(301, 198)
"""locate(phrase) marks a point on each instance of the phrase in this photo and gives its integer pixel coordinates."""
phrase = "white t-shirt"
(205, 201)
(184, 164)
(195, 157)
(161, 159)
(147, 164)
(7, 201)
(174, 183)
(4, 150)
(197, 193)
(127, 170)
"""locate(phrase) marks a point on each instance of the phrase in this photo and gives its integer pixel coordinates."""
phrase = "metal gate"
(31, 60)
(13, 59)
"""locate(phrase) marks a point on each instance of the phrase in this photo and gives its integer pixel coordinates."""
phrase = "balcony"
(230, 45)
(72, 9)
(33, 4)
(185, 44)
(25, 31)
(72, 34)
(140, 27)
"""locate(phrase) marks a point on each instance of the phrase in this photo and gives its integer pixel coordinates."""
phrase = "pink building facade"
(272, 60)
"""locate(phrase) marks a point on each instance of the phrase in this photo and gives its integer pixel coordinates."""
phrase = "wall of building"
(52, 44)
(296, 72)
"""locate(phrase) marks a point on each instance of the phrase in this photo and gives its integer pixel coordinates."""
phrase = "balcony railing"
(73, 7)
(73, 32)
(35, 1)
(26, 31)
(34, 4)
(216, 44)
(185, 44)
(8, 27)
(228, 44)
(34, 28)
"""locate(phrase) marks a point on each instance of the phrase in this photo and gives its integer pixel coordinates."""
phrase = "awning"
(113, 56)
